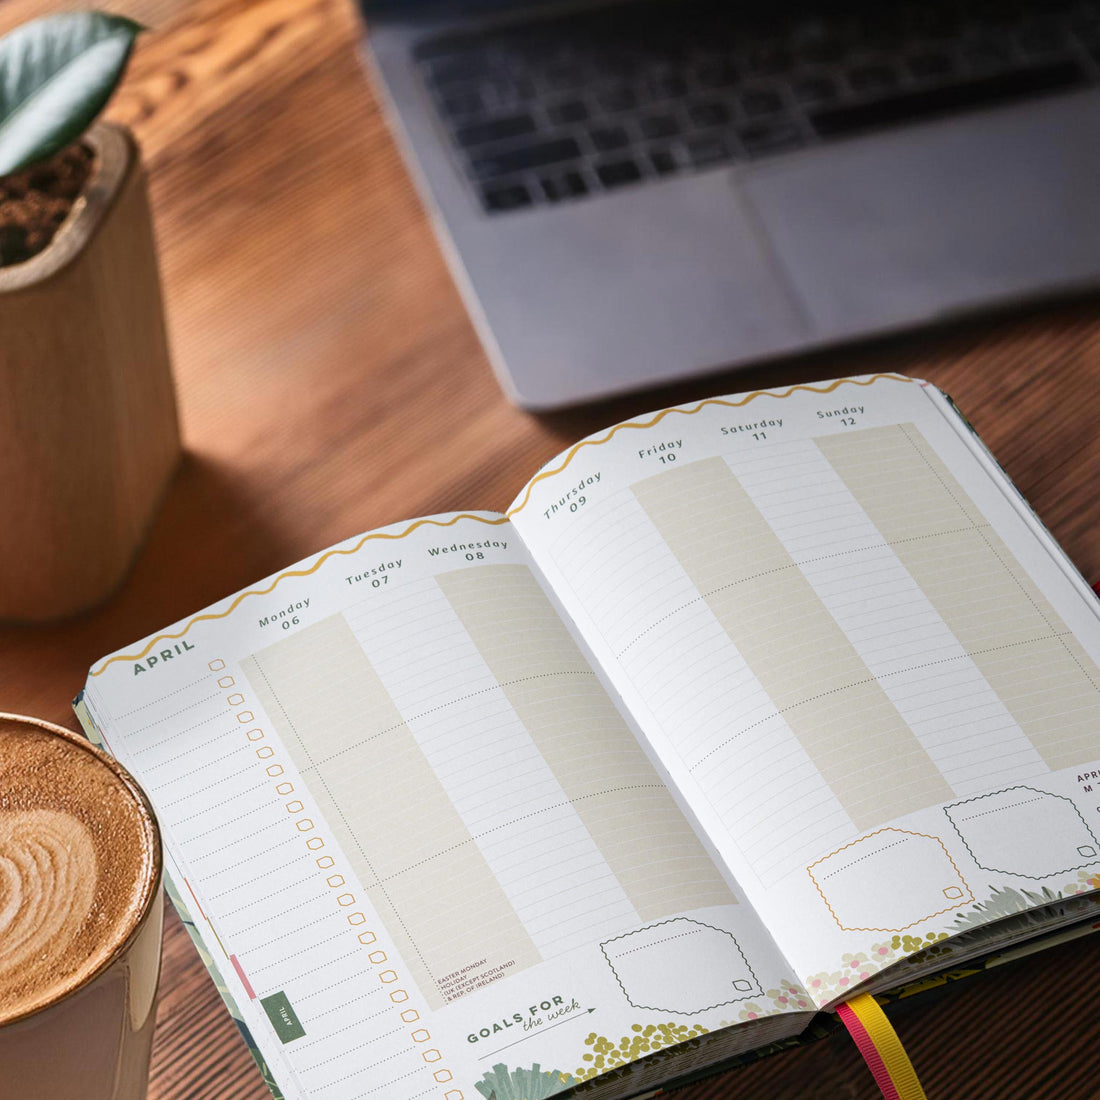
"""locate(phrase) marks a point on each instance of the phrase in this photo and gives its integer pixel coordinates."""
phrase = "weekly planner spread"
(740, 707)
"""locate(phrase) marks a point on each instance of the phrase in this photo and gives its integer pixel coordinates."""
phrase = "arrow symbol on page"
(537, 1031)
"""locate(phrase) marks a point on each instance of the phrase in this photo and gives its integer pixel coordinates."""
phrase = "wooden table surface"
(330, 382)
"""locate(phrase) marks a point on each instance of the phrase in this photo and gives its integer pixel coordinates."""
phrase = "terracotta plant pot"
(88, 431)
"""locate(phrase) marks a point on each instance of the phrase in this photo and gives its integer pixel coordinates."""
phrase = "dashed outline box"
(754, 989)
(964, 897)
(1087, 860)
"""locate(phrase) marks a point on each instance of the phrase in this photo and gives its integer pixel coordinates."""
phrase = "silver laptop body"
(715, 206)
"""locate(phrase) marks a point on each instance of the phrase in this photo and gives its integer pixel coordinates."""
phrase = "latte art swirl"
(79, 864)
(47, 890)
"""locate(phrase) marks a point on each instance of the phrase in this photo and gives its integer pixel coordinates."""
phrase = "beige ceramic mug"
(80, 919)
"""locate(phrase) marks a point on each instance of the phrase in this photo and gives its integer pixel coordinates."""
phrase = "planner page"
(422, 847)
(862, 659)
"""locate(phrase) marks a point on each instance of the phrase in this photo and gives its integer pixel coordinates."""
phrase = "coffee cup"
(80, 919)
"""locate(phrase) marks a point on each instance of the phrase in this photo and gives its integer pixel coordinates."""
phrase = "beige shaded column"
(392, 817)
(1018, 642)
(852, 732)
(618, 795)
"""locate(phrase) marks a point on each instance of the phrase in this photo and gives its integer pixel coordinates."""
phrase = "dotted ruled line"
(647, 946)
(860, 859)
(998, 809)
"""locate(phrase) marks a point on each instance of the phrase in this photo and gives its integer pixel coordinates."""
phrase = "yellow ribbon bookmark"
(881, 1048)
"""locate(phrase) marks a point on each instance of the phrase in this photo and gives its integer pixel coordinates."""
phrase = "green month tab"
(287, 1026)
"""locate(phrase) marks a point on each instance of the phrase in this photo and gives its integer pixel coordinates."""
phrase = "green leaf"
(56, 75)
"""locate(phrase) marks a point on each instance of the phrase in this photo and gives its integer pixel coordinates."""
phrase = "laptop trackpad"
(934, 219)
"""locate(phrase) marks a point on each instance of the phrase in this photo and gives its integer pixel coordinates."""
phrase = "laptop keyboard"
(557, 109)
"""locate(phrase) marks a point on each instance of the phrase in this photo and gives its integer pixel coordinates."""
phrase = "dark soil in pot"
(36, 201)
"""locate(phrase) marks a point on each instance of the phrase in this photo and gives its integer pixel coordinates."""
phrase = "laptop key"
(926, 66)
(768, 137)
(663, 162)
(984, 56)
(665, 86)
(620, 98)
(770, 59)
(713, 75)
(443, 47)
(466, 102)
(709, 114)
(816, 90)
(869, 79)
(509, 197)
(819, 47)
(760, 101)
(494, 129)
(564, 78)
(525, 158)
(572, 183)
(713, 149)
(616, 173)
(563, 114)
(926, 103)
(451, 70)
(607, 139)
(659, 126)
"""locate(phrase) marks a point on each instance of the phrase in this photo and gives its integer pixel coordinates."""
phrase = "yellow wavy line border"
(336, 552)
(656, 418)
(911, 924)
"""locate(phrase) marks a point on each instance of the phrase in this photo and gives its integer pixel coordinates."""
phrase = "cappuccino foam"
(79, 864)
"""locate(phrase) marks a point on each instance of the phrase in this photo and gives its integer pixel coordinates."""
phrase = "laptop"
(635, 192)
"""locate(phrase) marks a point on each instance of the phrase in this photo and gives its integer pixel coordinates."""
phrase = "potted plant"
(88, 429)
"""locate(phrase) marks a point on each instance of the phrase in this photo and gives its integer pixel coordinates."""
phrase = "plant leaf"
(56, 75)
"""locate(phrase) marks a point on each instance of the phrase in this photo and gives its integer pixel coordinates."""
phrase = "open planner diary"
(742, 707)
